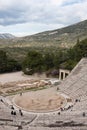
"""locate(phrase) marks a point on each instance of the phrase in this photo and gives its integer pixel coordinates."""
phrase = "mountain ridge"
(64, 37)
(60, 29)
(6, 36)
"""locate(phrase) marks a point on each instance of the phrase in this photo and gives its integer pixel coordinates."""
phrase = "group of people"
(13, 112)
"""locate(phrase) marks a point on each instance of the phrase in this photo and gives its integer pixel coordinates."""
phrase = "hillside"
(64, 37)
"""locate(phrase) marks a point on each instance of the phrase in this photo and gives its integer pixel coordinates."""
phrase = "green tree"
(3, 61)
(33, 62)
(7, 64)
(48, 61)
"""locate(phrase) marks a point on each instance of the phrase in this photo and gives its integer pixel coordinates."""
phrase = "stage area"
(40, 101)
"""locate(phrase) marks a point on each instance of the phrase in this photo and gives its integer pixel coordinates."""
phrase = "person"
(83, 114)
(58, 113)
(12, 107)
(2, 100)
(12, 112)
(61, 109)
(20, 112)
(76, 100)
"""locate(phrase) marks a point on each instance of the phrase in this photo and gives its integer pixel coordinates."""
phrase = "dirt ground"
(40, 101)
(18, 76)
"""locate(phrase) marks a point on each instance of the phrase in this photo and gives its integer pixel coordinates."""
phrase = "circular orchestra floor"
(40, 101)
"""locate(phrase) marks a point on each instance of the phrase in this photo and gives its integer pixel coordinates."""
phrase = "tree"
(3, 61)
(48, 61)
(7, 64)
(33, 62)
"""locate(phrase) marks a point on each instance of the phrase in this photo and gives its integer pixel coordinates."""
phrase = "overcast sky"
(26, 17)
